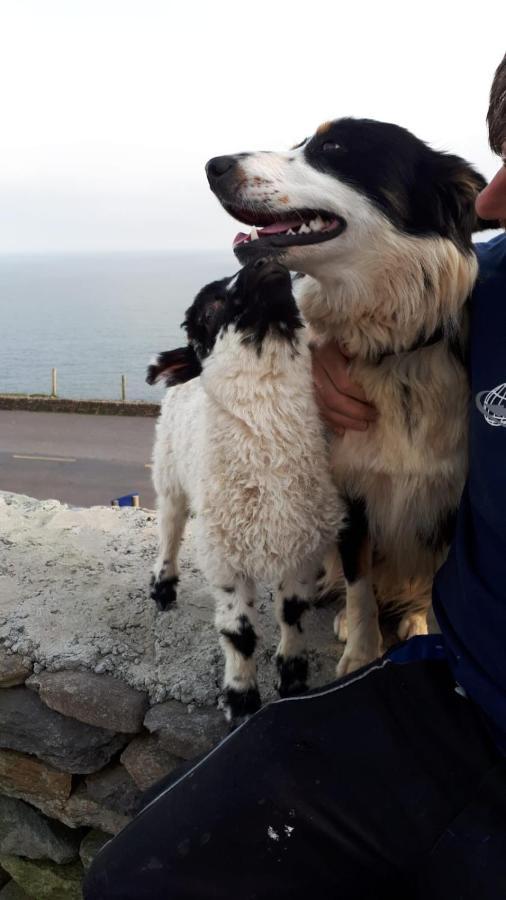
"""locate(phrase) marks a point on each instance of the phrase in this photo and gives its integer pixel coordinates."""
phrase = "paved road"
(82, 460)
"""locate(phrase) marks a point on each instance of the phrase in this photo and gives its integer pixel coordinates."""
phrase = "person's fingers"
(337, 402)
(336, 365)
(340, 423)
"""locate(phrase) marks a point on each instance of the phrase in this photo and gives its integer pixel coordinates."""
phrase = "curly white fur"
(243, 447)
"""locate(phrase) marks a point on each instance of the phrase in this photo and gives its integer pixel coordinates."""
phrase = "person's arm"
(342, 403)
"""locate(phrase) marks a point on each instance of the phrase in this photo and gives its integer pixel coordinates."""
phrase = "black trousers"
(382, 785)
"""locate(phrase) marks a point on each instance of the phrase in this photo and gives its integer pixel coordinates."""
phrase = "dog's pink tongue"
(276, 227)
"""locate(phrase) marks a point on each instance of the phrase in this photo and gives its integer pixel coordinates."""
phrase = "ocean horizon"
(96, 317)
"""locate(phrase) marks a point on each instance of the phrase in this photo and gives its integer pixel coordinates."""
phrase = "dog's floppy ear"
(458, 186)
(174, 367)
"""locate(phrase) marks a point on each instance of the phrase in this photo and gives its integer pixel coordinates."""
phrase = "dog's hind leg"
(363, 642)
(172, 516)
(293, 598)
(237, 625)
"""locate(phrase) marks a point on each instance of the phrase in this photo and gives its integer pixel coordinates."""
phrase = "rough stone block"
(91, 844)
(182, 732)
(13, 670)
(98, 700)
(27, 778)
(45, 880)
(82, 810)
(26, 832)
(12, 891)
(28, 725)
(115, 789)
(147, 762)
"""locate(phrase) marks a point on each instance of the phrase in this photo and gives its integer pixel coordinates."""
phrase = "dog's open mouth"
(296, 227)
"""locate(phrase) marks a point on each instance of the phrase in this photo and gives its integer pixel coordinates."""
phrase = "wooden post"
(123, 388)
(54, 383)
(135, 500)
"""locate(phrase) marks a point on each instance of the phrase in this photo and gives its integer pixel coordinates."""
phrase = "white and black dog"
(244, 448)
(381, 226)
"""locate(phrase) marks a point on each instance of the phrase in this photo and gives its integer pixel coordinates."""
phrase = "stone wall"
(43, 403)
(101, 695)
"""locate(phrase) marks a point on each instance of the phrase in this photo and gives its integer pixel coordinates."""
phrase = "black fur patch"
(174, 367)
(201, 323)
(292, 675)
(410, 416)
(422, 191)
(242, 703)
(262, 302)
(427, 281)
(293, 610)
(244, 639)
(163, 591)
(443, 533)
(203, 318)
(352, 537)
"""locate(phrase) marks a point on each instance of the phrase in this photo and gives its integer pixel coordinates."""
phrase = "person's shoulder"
(492, 254)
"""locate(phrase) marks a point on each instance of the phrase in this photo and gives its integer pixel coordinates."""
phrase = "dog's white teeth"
(316, 224)
(253, 235)
(304, 229)
(290, 231)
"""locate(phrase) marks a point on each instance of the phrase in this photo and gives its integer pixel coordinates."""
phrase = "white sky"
(110, 108)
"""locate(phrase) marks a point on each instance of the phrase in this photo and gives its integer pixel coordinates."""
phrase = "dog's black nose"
(219, 165)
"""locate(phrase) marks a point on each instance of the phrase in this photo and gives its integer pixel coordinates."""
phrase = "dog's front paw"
(292, 675)
(240, 705)
(412, 624)
(356, 657)
(164, 591)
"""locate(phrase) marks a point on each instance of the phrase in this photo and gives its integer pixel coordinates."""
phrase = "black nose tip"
(219, 165)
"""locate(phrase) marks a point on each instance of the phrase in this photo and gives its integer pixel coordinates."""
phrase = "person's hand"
(342, 403)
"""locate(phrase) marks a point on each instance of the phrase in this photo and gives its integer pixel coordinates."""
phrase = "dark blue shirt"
(470, 589)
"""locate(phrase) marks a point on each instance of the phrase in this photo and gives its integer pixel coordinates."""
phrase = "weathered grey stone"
(98, 700)
(27, 778)
(13, 670)
(91, 844)
(115, 789)
(26, 832)
(147, 761)
(28, 725)
(185, 733)
(82, 810)
(12, 891)
(44, 880)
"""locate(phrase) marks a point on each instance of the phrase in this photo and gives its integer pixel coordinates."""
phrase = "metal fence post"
(123, 388)
(54, 383)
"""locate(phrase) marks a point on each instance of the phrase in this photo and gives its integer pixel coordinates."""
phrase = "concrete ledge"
(36, 403)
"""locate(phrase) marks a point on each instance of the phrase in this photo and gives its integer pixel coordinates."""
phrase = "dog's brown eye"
(328, 146)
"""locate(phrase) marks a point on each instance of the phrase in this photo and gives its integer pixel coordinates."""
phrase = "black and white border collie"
(381, 225)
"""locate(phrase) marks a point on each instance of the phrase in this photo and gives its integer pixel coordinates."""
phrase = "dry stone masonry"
(101, 695)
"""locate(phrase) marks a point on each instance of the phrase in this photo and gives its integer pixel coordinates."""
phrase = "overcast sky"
(110, 108)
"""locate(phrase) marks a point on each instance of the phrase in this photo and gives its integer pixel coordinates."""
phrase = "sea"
(95, 318)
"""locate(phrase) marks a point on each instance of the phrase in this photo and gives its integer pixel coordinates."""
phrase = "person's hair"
(496, 117)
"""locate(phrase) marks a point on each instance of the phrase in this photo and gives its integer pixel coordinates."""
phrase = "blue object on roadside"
(127, 500)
